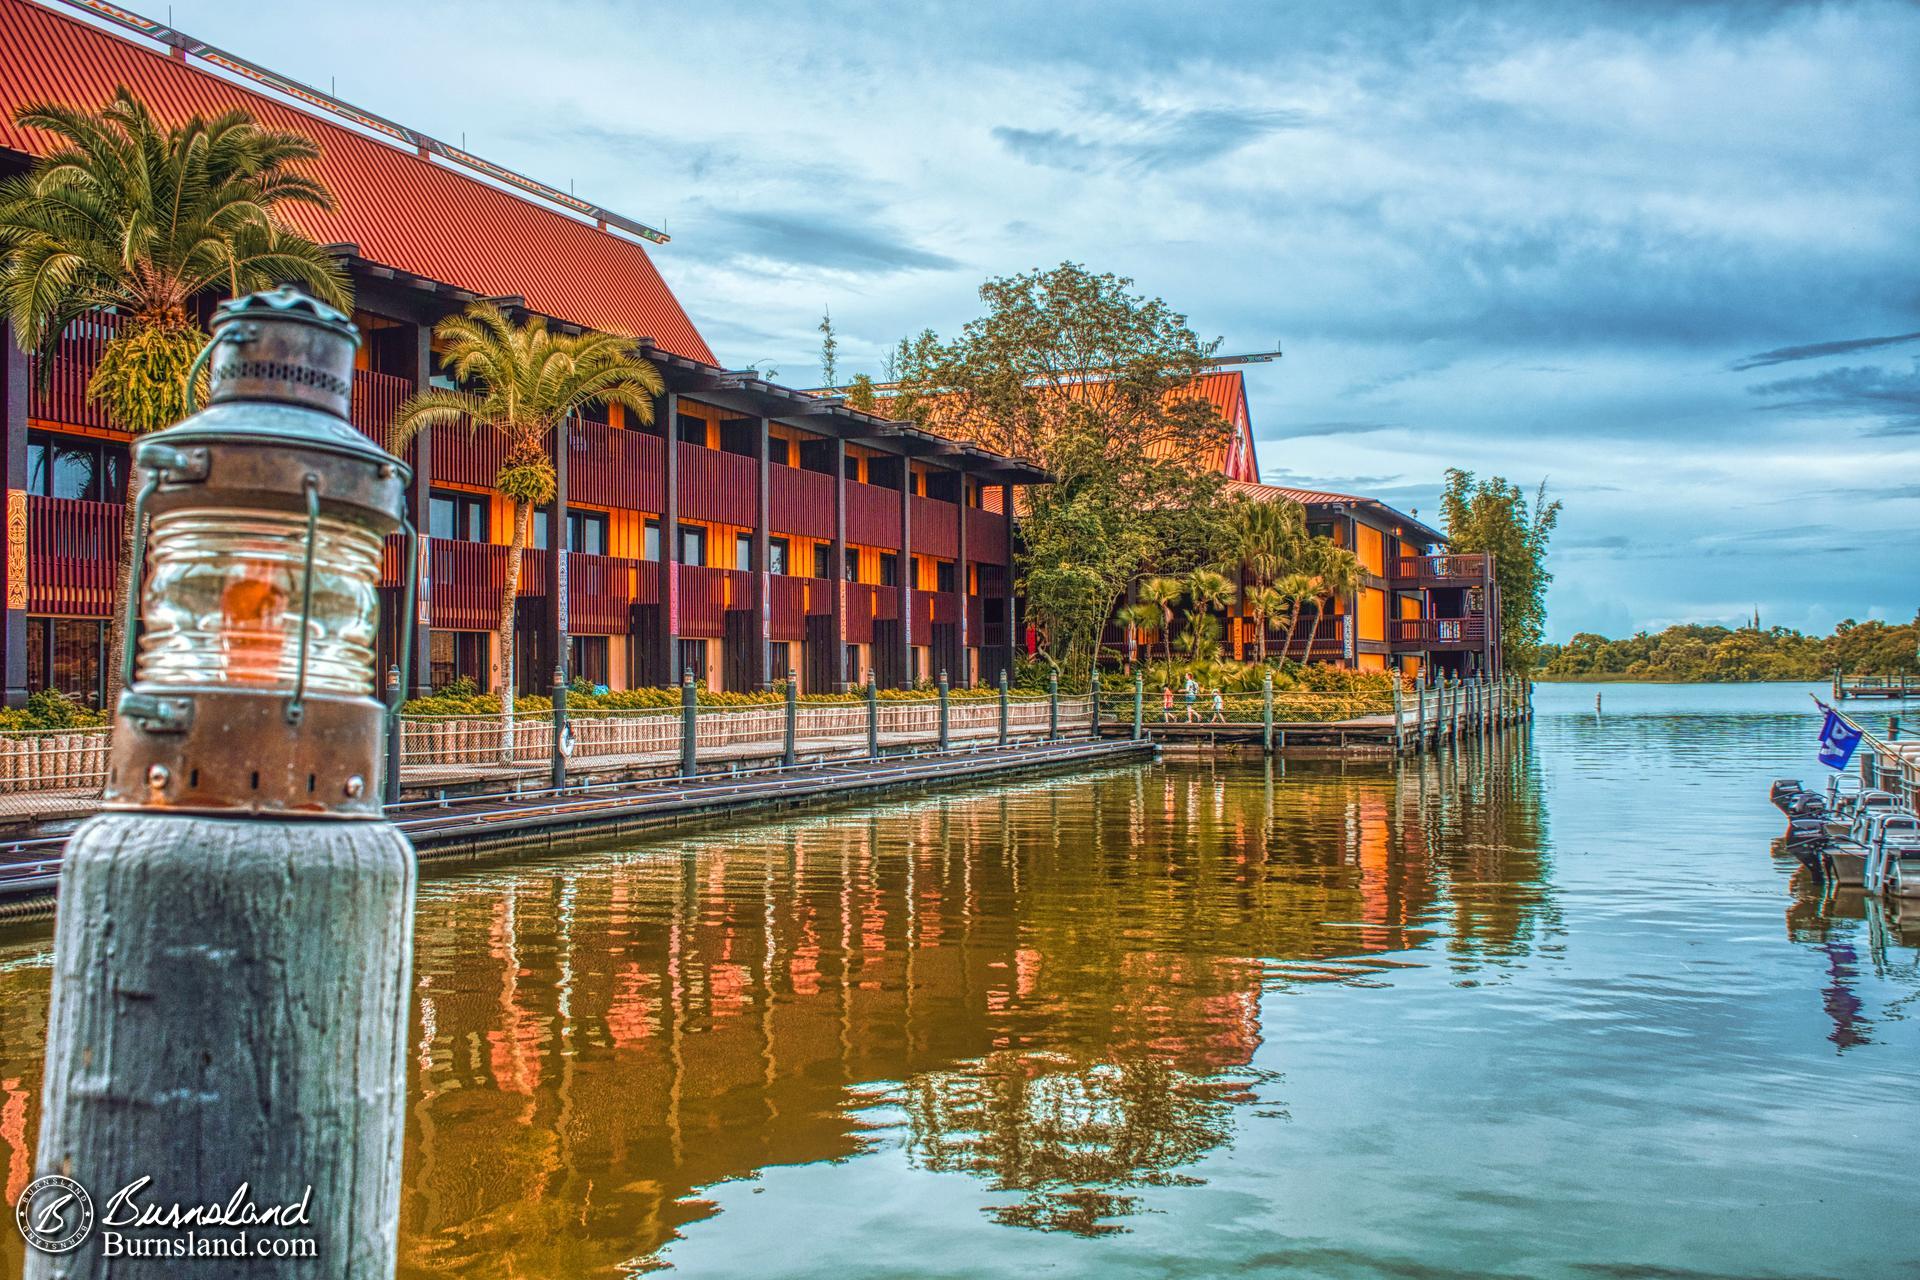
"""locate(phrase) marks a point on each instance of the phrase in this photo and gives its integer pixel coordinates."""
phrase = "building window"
(693, 657)
(68, 654)
(586, 531)
(853, 564)
(822, 560)
(851, 465)
(77, 468)
(743, 552)
(457, 517)
(692, 430)
(776, 555)
(943, 575)
(590, 660)
(459, 653)
(693, 545)
(651, 544)
(889, 569)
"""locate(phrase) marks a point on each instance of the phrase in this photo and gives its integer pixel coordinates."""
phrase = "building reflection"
(1056, 990)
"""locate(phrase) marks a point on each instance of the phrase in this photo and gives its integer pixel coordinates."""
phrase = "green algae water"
(1546, 1008)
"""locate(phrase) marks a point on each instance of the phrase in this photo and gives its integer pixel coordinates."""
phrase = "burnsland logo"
(55, 1214)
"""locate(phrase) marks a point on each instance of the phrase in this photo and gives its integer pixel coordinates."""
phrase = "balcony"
(67, 370)
(873, 515)
(1429, 635)
(465, 579)
(73, 556)
(1413, 572)
(799, 502)
(376, 402)
(936, 528)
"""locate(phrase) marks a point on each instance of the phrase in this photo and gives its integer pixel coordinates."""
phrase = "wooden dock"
(547, 819)
(1892, 687)
(1445, 713)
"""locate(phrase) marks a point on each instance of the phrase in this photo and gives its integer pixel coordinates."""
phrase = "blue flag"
(1837, 741)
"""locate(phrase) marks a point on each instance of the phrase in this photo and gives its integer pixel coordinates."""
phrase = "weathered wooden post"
(1399, 741)
(790, 747)
(689, 725)
(1419, 716)
(946, 738)
(1053, 705)
(1139, 704)
(873, 716)
(1266, 712)
(1003, 706)
(1093, 693)
(562, 734)
(231, 963)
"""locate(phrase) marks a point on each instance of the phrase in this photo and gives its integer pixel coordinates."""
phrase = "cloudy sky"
(1661, 255)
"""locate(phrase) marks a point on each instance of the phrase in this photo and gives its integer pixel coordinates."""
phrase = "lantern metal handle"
(410, 566)
(295, 706)
(130, 623)
(233, 335)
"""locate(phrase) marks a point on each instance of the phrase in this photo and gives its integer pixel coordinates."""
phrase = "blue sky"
(1660, 255)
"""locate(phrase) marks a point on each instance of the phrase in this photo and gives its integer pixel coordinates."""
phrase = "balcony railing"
(1438, 633)
(873, 515)
(68, 368)
(611, 467)
(716, 486)
(800, 502)
(933, 608)
(73, 556)
(376, 401)
(1461, 570)
(986, 536)
(936, 528)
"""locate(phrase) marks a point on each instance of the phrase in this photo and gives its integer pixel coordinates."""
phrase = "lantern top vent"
(282, 346)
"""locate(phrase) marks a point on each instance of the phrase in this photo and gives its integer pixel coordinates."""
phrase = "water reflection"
(1055, 990)
(1149, 1005)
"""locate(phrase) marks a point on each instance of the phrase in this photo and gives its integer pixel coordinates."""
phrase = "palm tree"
(1162, 593)
(527, 381)
(134, 217)
(1143, 616)
(1263, 538)
(1263, 604)
(1334, 571)
(1294, 590)
(1207, 590)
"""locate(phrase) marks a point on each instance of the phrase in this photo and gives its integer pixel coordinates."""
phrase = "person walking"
(1191, 692)
(1219, 715)
(1166, 704)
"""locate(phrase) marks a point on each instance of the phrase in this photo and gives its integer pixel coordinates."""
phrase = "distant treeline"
(1722, 653)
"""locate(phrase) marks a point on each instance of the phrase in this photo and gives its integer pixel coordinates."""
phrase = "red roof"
(1226, 391)
(1319, 498)
(403, 211)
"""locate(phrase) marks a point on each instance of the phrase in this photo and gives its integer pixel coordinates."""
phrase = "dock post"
(1266, 712)
(1053, 705)
(1093, 693)
(1003, 706)
(1399, 739)
(790, 754)
(689, 726)
(557, 758)
(231, 962)
(391, 792)
(873, 716)
(946, 738)
(1139, 704)
(1419, 717)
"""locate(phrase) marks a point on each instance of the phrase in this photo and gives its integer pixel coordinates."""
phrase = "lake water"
(1545, 1009)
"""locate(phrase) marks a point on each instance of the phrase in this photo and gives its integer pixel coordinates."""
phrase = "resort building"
(1418, 607)
(749, 529)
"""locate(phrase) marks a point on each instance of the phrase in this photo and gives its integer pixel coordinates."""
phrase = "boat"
(1885, 831)
(1847, 851)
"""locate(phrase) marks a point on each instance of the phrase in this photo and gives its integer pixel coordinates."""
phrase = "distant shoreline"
(1625, 679)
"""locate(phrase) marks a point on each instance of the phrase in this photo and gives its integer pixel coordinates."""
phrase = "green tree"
(1494, 517)
(1294, 590)
(1073, 370)
(1144, 618)
(1263, 604)
(1331, 572)
(525, 381)
(130, 216)
(1207, 590)
(1163, 593)
(1264, 538)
